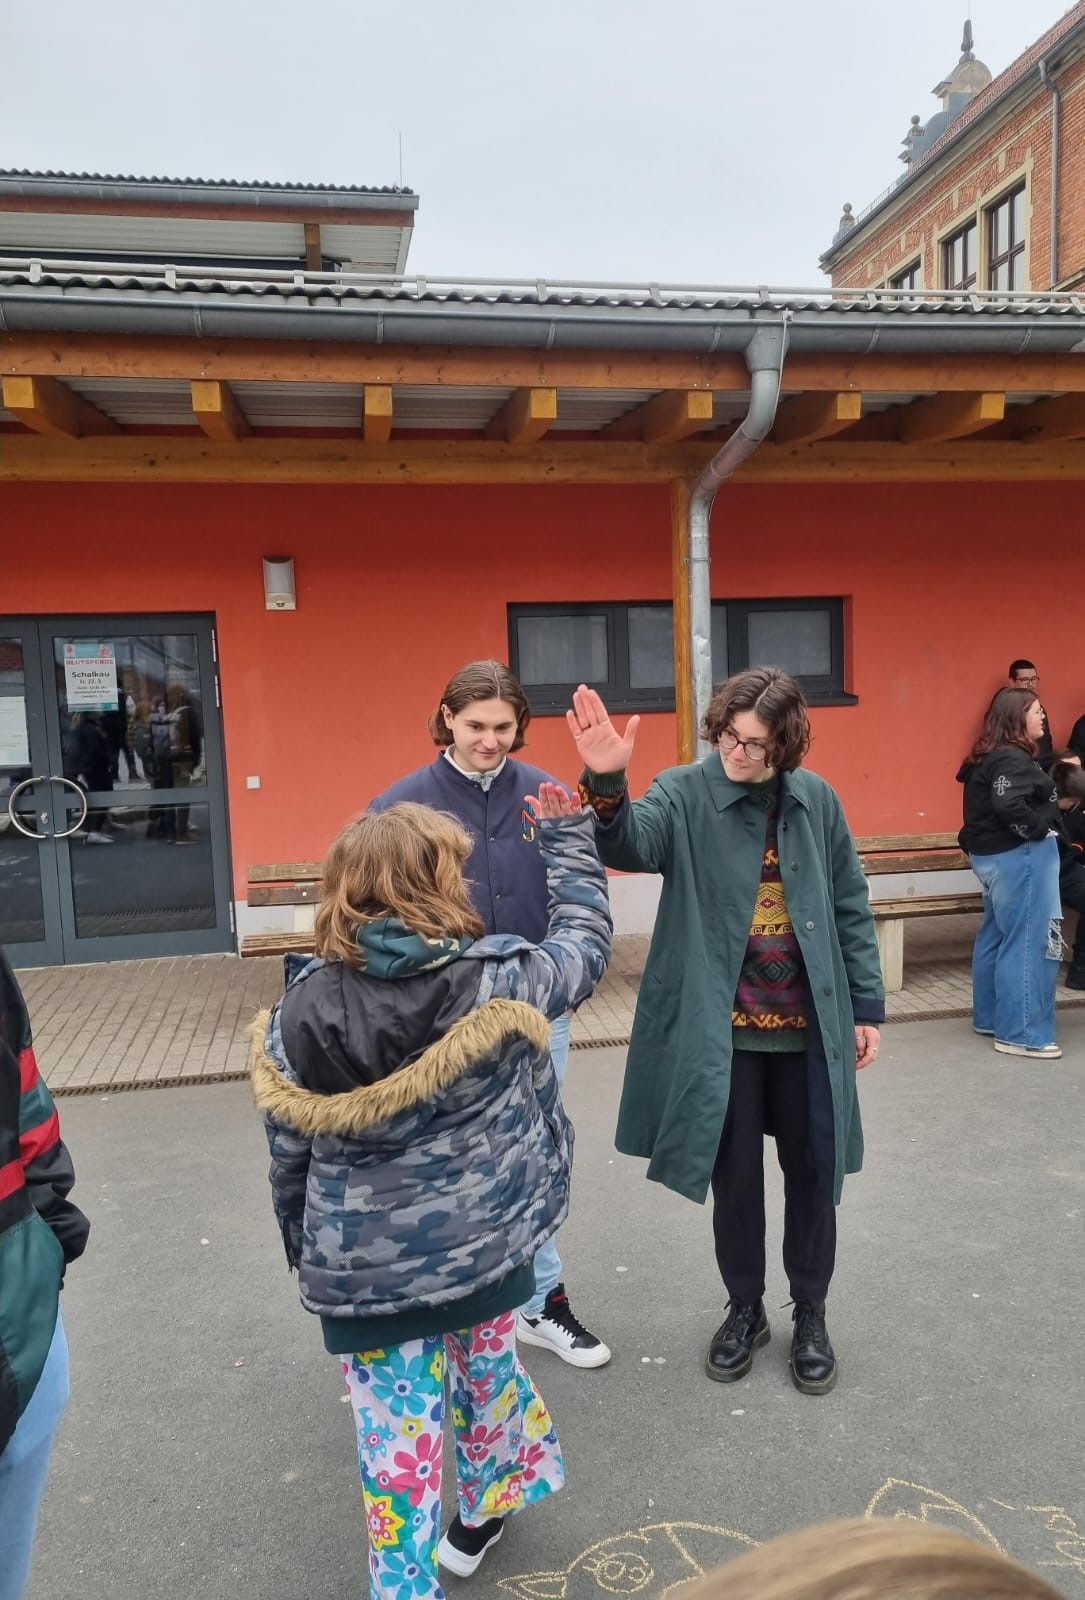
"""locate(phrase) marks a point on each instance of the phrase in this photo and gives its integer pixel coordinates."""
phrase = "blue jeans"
(547, 1261)
(1015, 961)
(24, 1466)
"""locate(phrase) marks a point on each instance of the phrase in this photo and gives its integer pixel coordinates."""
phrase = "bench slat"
(954, 860)
(284, 894)
(932, 906)
(278, 872)
(871, 843)
(275, 944)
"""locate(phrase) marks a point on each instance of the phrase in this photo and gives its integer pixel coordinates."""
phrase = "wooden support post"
(215, 407)
(675, 414)
(685, 732)
(806, 417)
(525, 416)
(314, 254)
(45, 405)
(377, 411)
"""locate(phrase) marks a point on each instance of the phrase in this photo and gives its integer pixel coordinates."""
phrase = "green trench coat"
(706, 836)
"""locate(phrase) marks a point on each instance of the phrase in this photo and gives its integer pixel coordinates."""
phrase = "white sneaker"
(97, 838)
(556, 1328)
(1042, 1052)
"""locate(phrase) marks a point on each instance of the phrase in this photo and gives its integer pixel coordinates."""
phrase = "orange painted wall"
(397, 586)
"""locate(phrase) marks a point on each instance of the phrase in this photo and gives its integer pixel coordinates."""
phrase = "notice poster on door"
(90, 676)
(14, 749)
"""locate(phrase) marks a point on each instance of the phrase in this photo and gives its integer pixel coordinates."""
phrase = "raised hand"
(553, 801)
(602, 748)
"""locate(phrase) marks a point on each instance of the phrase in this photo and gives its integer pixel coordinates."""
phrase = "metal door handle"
(71, 783)
(27, 783)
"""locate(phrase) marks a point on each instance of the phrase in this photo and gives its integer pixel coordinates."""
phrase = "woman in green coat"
(761, 997)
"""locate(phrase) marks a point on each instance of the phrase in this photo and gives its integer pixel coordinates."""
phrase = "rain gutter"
(765, 359)
(152, 191)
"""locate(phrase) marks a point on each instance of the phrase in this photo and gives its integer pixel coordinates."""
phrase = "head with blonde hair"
(872, 1558)
(406, 862)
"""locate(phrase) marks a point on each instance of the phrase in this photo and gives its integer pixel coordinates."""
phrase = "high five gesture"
(602, 748)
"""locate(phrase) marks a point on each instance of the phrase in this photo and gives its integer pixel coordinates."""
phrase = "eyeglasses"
(1028, 682)
(756, 749)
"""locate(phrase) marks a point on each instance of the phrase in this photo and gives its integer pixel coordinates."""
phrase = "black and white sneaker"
(557, 1329)
(462, 1548)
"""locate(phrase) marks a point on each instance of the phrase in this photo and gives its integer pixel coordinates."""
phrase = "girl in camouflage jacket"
(420, 1156)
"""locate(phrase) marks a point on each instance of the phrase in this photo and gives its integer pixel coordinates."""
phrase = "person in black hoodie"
(1011, 824)
(1070, 786)
(40, 1232)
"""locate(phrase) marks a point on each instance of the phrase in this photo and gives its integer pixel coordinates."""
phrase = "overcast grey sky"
(707, 142)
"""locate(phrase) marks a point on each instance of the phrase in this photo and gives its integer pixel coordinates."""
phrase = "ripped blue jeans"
(1015, 961)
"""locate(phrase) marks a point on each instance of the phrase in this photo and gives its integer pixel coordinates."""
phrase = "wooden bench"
(902, 852)
(290, 883)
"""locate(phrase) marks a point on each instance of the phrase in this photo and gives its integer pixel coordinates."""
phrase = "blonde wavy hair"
(872, 1558)
(406, 862)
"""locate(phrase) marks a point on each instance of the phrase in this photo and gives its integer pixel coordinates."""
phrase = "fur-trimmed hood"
(473, 1039)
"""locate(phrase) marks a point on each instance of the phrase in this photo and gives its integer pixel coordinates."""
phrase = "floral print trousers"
(507, 1453)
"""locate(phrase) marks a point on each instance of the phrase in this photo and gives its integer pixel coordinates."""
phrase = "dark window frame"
(910, 278)
(552, 699)
(1013, 256)
(969, 259)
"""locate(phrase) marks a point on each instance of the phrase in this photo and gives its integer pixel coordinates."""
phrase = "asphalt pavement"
(207, 1455)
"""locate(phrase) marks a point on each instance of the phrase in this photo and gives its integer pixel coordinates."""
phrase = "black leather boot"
(730, 1355)
(1075, 973)
(813, 1364)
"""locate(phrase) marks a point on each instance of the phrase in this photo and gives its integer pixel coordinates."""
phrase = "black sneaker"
(462, 1548)
(1075, 974)
(730, 1355)
(813, 1363)
(557, 1329)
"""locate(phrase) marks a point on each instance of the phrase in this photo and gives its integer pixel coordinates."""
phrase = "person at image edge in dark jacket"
(40, 1232)
(1010, 832)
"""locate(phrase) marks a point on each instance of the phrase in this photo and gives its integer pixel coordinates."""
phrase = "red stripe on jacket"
(37, 1140)
(11, 1178)
(28, 1070)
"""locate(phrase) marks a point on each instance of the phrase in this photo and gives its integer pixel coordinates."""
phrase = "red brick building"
(993, 193)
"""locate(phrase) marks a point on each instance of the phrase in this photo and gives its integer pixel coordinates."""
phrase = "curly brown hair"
(1004, 724)
(480, 680)
(406, 862)
(773, 696)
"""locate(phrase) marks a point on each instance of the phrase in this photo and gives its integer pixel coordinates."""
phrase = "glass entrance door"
(113, 836)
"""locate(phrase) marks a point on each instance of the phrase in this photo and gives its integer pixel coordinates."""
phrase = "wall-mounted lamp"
(279, 583)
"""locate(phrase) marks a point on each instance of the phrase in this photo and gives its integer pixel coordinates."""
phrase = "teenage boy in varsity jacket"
(480, 722)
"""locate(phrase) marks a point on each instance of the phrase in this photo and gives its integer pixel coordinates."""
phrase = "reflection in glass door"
(113, 837)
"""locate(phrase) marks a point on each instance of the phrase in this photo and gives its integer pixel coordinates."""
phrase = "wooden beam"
(207, 211)
(192, 459)
(314, 254)
(804, 417)
(45, 405)
(665, 419)
(948, 416)
(1061, 417)
(685, 730)
(215, 407)
(377, 412)
(525, 416)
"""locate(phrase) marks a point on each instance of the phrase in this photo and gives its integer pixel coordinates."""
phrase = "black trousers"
(1072, 894)
(770, 1094)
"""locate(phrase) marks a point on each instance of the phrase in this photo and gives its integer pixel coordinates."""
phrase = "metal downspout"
(1056, 103)
(765, 360)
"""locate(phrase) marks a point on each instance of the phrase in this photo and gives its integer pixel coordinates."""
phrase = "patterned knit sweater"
(769, 1009)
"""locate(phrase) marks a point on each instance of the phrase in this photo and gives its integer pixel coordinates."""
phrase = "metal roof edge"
(213, 191)
(946, 145)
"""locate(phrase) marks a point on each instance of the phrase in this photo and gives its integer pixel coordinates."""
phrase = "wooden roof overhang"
(306, 378)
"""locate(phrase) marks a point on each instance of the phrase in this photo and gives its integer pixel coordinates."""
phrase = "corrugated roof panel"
(594, 408)
(434, 406)
(206, 183)
(164, 401)
(301, 405)
(133, 238)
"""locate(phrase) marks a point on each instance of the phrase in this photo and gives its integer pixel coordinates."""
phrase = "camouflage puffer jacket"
(446, 1165)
